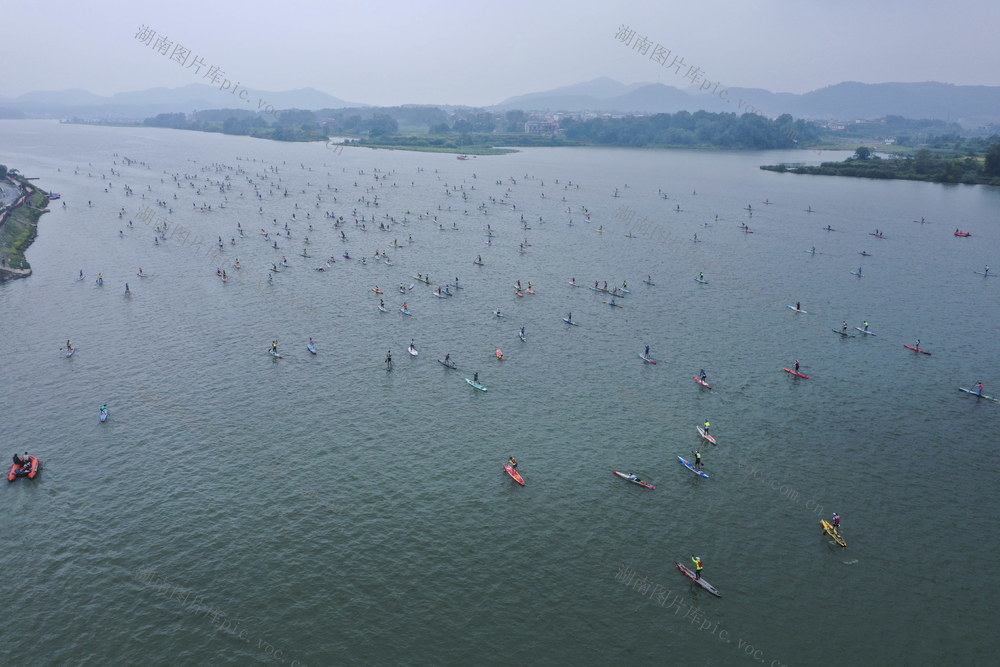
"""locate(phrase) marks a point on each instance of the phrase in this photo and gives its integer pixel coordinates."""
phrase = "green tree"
(992, 164)
(3, 171)
(863, 153)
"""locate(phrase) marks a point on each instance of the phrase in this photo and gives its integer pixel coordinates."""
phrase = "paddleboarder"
(798, 305)
(701, 275)
(980, 385)
(475, 377)
(69, 346)
(512, 462)
(836, 523)
(707, 424)
(698, 566)
(843, 327)
(797, 361)
(986, 271)
(697, 459)
(704, 375)
(647, 350)
(866, 325)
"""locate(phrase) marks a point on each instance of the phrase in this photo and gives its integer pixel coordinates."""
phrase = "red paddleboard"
(518, 293)
(513, 473)
(702, 382)
(916, 349)
(796, 373)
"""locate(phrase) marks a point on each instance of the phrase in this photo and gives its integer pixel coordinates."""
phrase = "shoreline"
(19, 227)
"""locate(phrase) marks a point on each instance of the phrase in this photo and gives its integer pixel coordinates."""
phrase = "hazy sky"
(479, 53)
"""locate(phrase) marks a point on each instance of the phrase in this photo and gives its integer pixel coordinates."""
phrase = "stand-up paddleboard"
(796, 373)
(843, 333)
(988, 275)
(381, 308)
(649, 282)
(702, 382)
(867, 333)
(648, 360)
(833, 532)
(412, 350)
(573, 284)
(515, 475)
(568, 321)
(275, 354)
(706, 435)
(629, 478)
(857, 273)
(613, 305)
(690, 466)
(977, 394)
(698, 580)
(405, 311)
(450, 364)
(521, 336)
(700, 280)
(476, 385)
(916, 349)
(71, 352)
(311, 347)
(797, 310)
(104, 415)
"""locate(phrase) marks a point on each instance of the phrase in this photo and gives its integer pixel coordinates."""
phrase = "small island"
(21, 205)
(968, 164)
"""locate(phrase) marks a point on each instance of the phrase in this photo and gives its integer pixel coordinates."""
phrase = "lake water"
(318, 510)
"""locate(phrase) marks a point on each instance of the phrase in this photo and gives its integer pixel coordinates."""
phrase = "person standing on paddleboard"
(866, 325)
(798, 305)
(647, 350)
(707, 424)
(475, 377)
(797, 364)
(980, 385)
(704, 376)
(697, 460)
(512, 462)
(698, 566)
(843, 327)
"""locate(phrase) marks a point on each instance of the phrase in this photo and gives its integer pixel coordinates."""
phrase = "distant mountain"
(140, 104)
(967, 105)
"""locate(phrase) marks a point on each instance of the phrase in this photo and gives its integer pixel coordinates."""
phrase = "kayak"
(690, 466)
(843, 333)
(648, 360)
(450, 364)
(568, 321)
(104, 415)
(613, 305)
(412, 350)
(28, 471)
(513, 473)
(706, 435)
(311, 347)
(797, 310)
(796, 373)
(699, 280)
(499, 354)
(867, 333)
(833, 532)
(917, 349)
(475, 384)
(698, 580)
(977, 394)
(629, 477)
(702, 382)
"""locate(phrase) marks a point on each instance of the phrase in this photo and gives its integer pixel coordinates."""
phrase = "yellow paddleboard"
(832, 532)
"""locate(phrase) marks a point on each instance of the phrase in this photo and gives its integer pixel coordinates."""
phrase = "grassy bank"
(21, 227)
